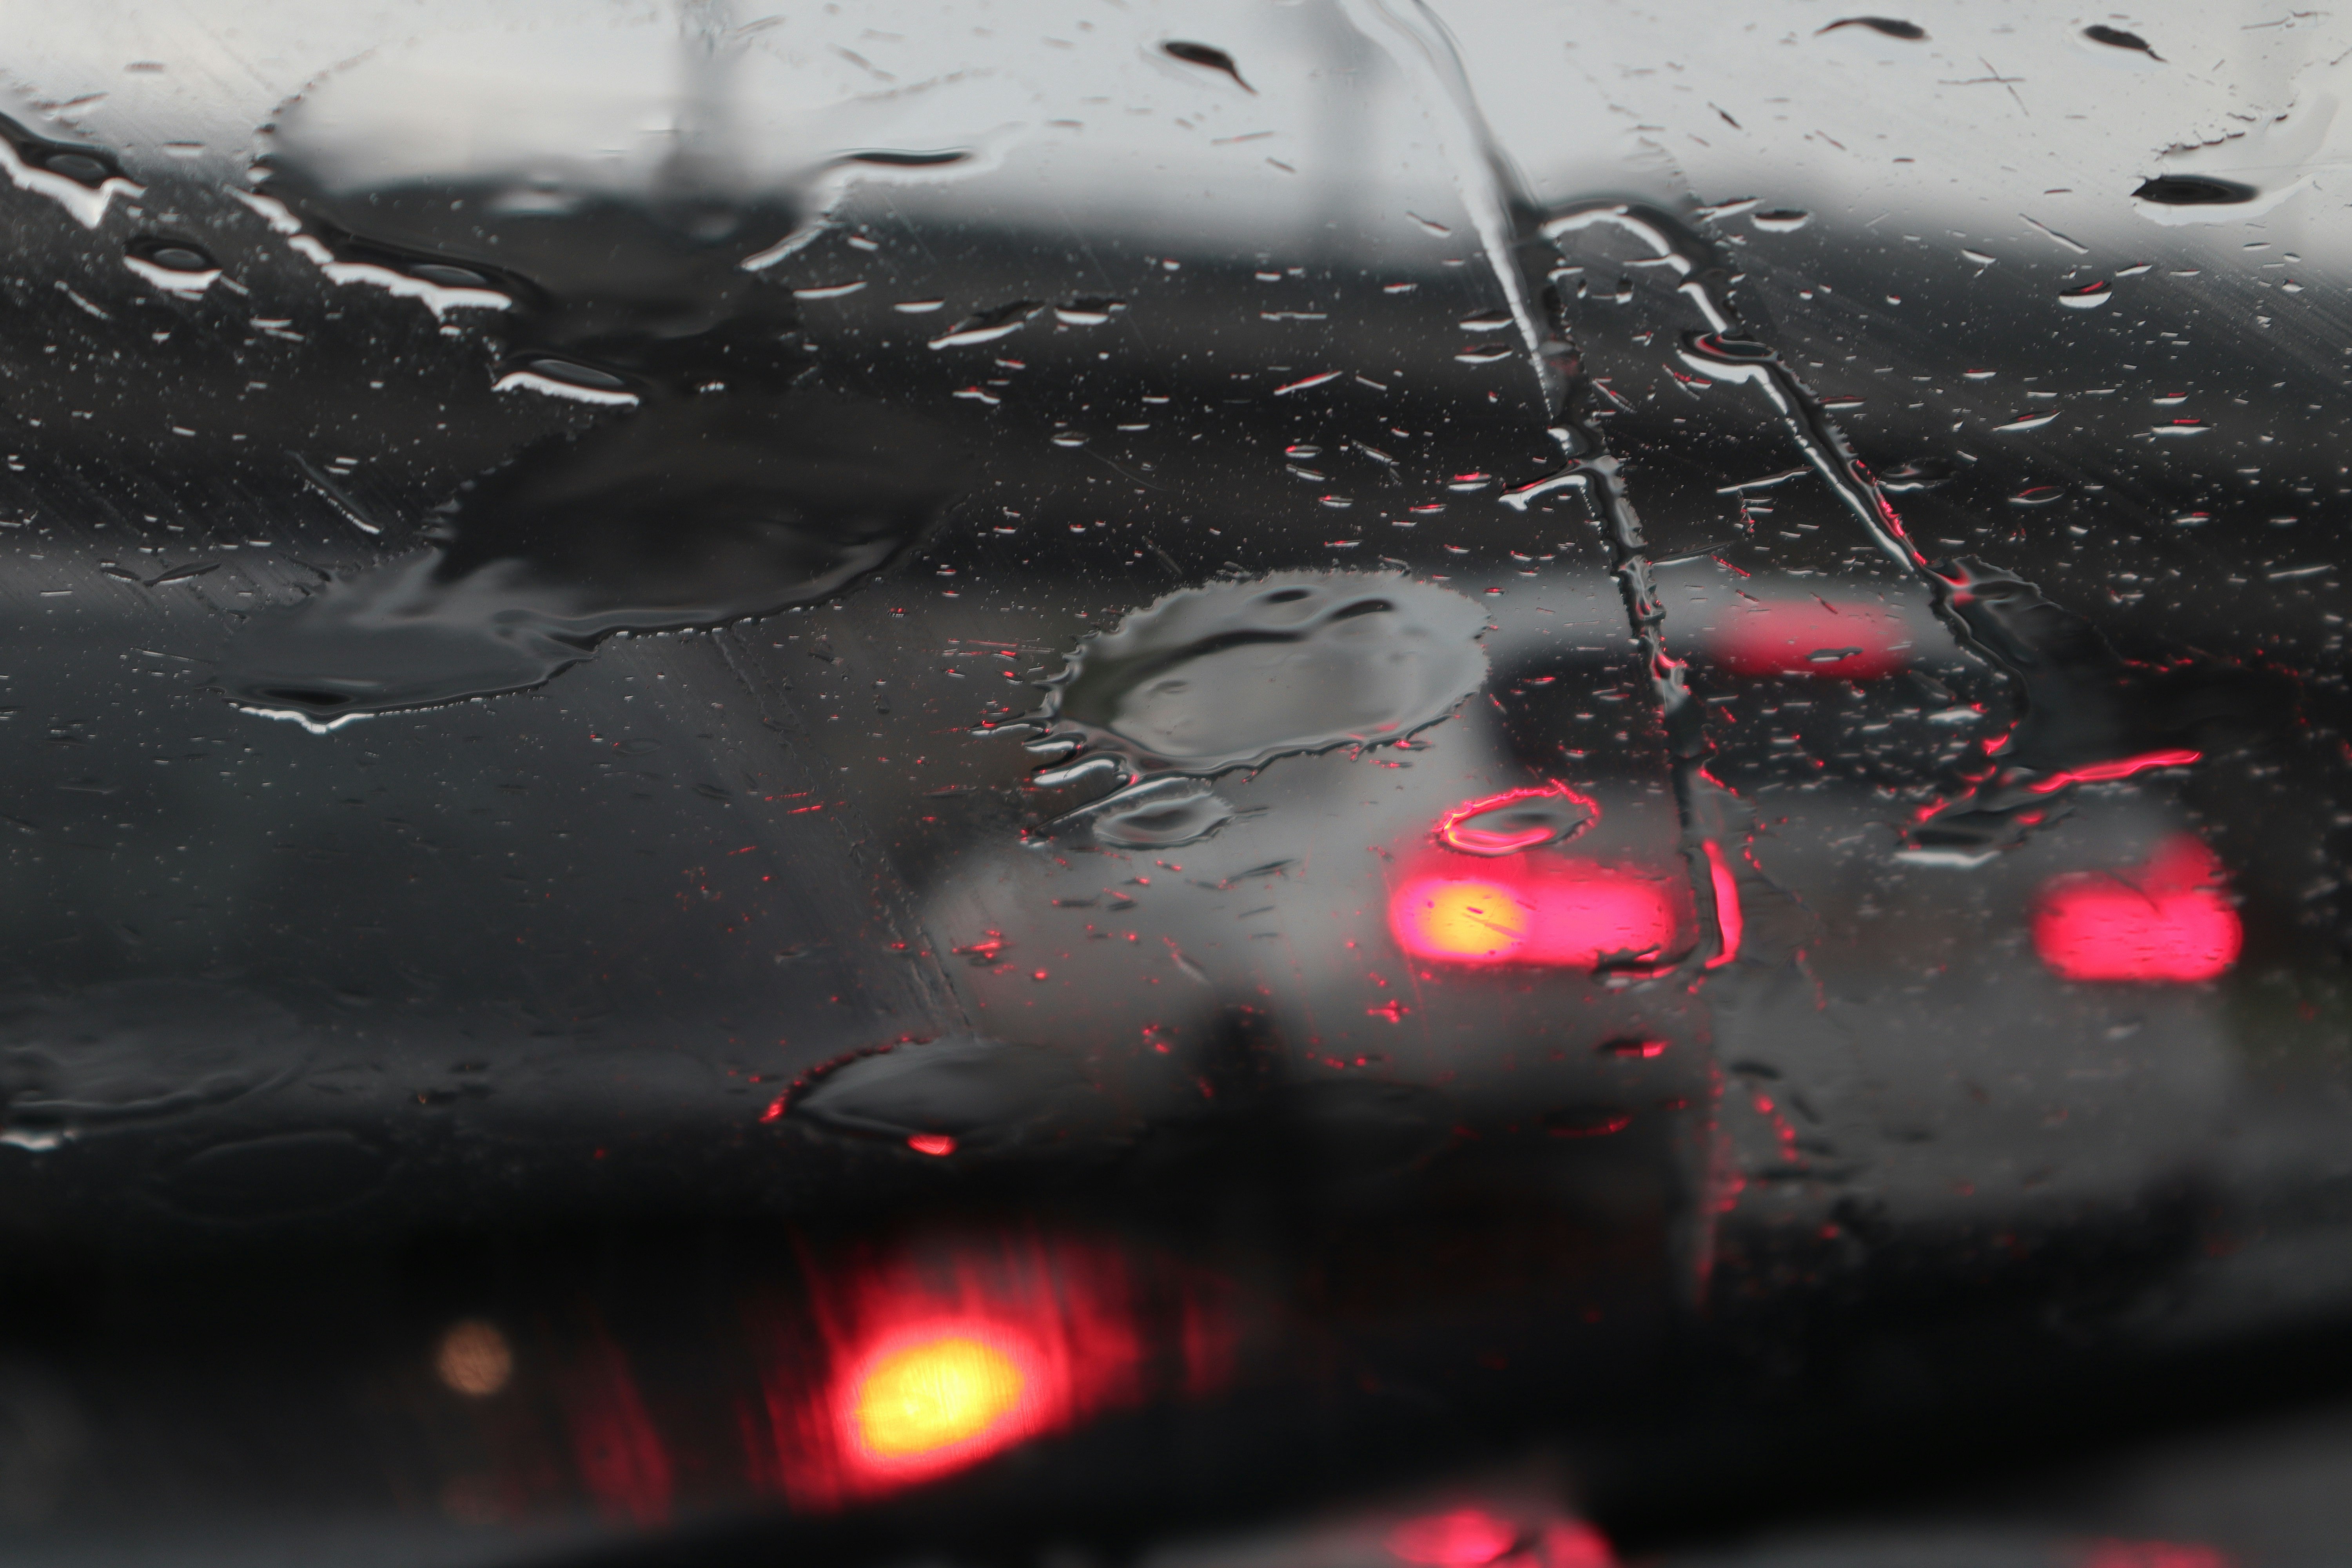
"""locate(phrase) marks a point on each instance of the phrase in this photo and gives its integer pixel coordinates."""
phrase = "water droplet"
(1781, 220)
(1215, 59)
(1088, 312)
(2115, 37)
(271, 1177)
(1519, 820)
(1915, 474)
(1910, 32)
(987, 326)
(1237, 674)
(2040, 495)
(2029, 421)
(82, 180)
(175, 266)
(137, 1052)
(785, 501)
(982, 1094)
(574, 373)
(1585, 1121)
(1167, 816)
(2193, 190)
(911, 158)
(178, 256)
(2089, 297)
(2182, 427)
(82, 168)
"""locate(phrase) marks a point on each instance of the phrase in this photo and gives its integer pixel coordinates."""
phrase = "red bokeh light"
(1575, 1545)
(905, 1369)
(1499, 892)
(1555, 913)
(1465, 1538)
(1807, 637)
(1473, 1538)
(2166, 921)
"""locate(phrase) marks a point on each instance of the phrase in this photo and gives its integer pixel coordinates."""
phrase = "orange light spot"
(474, 1359)
(930, 1395)
(1479, 922)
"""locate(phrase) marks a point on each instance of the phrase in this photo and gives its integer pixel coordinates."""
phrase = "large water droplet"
(2115, 37)
(689, 513)
(136, 1052)
(2193, 191)
(1164, 816)
(983, 1094)
(1237, 674)
(1519, 820)
(175, 266)
(1215, 59)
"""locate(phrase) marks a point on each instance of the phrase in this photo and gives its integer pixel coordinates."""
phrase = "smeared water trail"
(2083, 711)
(1507, 221)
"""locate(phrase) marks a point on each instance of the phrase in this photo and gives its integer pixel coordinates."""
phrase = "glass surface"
(1333, 783)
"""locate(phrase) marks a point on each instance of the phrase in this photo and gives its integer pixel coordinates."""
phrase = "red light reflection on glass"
(2123, 768)
(1546, 814)
(2155, 1554)
(1465, 1538)
(1793, 636)
(621, 1457)
(2166, 921)
(934, 1143)
(926, 1367)
(1556, 912)
(1473, 1538)
(1730, 922)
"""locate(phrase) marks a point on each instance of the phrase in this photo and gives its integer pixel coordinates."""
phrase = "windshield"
(1338, 782)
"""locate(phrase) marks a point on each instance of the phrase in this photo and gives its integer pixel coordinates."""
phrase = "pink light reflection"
(2167, 922)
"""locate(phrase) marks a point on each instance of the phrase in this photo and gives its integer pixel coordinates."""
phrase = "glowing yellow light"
(1462, 920)
(929, 1395)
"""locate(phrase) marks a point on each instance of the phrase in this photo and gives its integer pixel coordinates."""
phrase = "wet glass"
(1327, 783)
